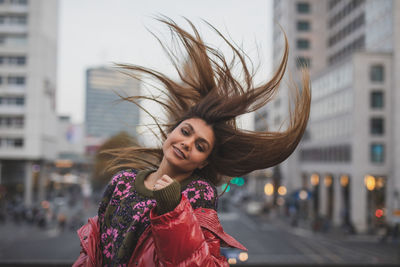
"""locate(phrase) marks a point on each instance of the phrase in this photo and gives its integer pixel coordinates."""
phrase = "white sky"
(99, 32)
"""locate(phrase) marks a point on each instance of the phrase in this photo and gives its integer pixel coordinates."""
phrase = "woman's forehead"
(200, 128)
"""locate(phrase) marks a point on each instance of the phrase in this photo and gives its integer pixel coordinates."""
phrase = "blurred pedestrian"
(160, 210)
(61, 221)
(293, 214)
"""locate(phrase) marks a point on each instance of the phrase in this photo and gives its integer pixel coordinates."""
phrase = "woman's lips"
(179, 153)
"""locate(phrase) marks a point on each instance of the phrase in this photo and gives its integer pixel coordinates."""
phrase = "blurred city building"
(28, 74)
(71, 141)
(68, 175)
(106, 114)
(345, 170)
(71, 159)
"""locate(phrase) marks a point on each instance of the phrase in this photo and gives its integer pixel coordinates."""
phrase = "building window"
(19, 142)
(377, 153)
(19, 2)
(340, 153)
(11, 122)
(12, 101)
(347, 30)
(19, 122)
(357, 44)
(303, 62)
(13, 60)
(377, 126)
(377, 73)
(20, 101)
(12, 142)
(303, 8)
(18, 19)
(16, 80)
(333, 3)
(17, 60)
(13, 40)
(376, 100)
(303, 26)
(303, 44)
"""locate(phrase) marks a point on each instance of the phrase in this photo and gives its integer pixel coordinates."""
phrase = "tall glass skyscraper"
(105, 113)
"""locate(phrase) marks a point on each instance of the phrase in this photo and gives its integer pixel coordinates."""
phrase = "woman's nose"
(186, 145)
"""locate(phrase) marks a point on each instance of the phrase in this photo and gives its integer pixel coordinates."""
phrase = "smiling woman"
(188, 146)
(160, 208)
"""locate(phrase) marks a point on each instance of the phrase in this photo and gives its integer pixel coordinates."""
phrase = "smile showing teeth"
(179, 153)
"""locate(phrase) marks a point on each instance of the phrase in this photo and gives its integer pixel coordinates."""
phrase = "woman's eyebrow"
(189, 125)
(203, 140)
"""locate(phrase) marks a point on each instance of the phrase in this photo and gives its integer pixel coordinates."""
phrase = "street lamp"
(282, 190)
(380, 182)
(303, 195)
(280, 201)
(328, 181)
(370, 182)
(344, 180)
(243, 256)
(314, 179)
(269, 189)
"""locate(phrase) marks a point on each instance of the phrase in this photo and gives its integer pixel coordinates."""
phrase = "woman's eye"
(200, 148)
(184, 132)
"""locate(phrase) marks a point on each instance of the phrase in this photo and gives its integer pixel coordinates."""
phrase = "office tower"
(348, 158)
(105, 113)
(28, 72)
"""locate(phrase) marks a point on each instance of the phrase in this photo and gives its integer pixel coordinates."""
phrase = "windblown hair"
(208, 90)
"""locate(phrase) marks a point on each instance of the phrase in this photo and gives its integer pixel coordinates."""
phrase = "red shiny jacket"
(182, 237)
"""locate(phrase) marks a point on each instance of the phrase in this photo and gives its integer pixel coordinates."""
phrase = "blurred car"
(234, 255)
(254, 207)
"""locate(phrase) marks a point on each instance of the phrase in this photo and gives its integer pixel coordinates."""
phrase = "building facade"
(347, 159)
(106, 114)
(28, 74)
(303, 28)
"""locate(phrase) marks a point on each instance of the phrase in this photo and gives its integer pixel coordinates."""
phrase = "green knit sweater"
(125, 208)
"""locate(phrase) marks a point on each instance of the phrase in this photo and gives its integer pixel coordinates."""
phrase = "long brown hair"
(208, 90)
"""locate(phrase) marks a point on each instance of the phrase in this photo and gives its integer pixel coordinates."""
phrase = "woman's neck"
(165, 168)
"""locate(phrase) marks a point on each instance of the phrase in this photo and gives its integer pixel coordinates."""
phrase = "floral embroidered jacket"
(128, 234)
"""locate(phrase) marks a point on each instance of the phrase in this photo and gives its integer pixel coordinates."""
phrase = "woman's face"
(188, 146)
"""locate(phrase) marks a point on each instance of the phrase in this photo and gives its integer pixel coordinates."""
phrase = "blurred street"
(69, 116)
(273, 240)
(269, 239)
(53, 241)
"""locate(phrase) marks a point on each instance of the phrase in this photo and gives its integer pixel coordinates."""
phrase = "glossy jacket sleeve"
(89, 240)
(180, 240)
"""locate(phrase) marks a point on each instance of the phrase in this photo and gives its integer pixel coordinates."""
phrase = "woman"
(160, 210)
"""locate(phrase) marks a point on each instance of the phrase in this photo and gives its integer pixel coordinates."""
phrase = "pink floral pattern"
(201, 193)
(124, 214)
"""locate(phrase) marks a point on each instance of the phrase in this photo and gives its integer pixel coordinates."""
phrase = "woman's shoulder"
(202, 183)
(201, 193)
(126, 173)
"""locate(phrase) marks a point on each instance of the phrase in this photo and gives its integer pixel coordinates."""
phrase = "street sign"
(396, 216)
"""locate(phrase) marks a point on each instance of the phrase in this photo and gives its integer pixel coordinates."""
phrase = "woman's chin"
(179, 166)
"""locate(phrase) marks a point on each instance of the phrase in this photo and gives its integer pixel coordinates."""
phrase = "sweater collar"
(143, 190)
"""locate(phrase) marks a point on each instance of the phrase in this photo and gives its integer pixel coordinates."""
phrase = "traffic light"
(239, 181)
(224, 186)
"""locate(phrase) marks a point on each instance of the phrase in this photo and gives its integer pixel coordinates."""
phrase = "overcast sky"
(99, 32)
